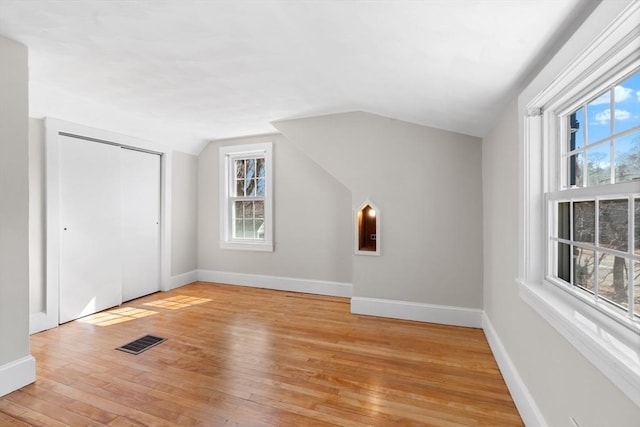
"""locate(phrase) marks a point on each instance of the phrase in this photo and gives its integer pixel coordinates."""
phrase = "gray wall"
(427, 185)
(184, 192)
(14, 202)
(312, 212)
(37, 231)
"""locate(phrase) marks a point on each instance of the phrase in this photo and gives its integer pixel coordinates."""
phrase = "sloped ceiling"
(183, 72)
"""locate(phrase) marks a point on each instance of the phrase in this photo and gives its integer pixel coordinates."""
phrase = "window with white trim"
(579, 235)
(246, 191)
(594, 241)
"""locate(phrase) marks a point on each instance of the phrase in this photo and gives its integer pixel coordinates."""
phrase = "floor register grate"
(141, 344)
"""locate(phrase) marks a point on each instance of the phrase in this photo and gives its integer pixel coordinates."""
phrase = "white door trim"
(53, 127)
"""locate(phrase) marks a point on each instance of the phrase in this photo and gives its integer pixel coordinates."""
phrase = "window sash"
(234, 218)
(581, 102)
(623, 191)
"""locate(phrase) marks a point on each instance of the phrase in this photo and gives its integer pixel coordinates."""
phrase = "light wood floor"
(239, 356)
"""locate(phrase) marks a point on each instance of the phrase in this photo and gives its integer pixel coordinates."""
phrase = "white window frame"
(611, 342)
(228, 154)
(559, 190)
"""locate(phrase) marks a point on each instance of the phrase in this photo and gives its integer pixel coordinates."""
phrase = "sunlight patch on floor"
(177, 302)
(117, 315)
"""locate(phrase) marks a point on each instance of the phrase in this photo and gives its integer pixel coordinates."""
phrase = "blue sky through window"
(627, 103)
(625, 111)
(606, 133)
(599, 118)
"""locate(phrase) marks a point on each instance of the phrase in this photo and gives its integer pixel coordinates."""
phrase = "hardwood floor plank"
(9, 421)
(33, 415)
(240, 356)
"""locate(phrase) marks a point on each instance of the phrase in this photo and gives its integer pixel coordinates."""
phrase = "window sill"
(613, 348)
(247, 246)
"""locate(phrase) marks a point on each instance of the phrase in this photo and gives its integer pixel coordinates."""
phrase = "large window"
(580, 201)
(246, 194)
(595, 237)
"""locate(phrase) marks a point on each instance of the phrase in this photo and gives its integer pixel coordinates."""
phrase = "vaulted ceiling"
(182, 72)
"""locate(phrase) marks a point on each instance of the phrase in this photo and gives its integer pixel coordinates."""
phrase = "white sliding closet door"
(90, 222)
(140, 223)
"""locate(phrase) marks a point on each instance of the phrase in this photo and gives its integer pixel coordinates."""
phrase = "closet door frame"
(48, 318)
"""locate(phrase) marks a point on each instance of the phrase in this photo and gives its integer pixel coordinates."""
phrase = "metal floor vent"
(141, 344)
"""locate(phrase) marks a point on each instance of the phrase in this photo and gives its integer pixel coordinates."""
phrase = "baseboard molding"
(523, 400)
(447, 315)
(319, 287)
(17, 374)
(183, 279)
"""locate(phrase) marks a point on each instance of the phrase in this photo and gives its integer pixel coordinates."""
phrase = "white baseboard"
(183, 279)
(523, 400)
(309, 286)
(17, 374)
(447, 315)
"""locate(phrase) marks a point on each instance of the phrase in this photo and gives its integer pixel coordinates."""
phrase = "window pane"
(564, 262)
(637, 227)
(627, 157)
(613, 224)
(612, 279)
(239, 188)
(249, 231)
(599, 164)
(260, 168)
(239, 167)
(636, 286)
(250, 187)
(583, 266)
(576, 124)
(260, 229)
(259, 209)
(627, 102)
(564, 224)
(260, 187)
(248, 210)
(239, 229)
(238, 211)
(599, 118)
(251, 168)
(584, 222)
(576, 174)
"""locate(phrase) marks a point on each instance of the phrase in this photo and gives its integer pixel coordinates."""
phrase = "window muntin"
(246, 197)
(596, 211)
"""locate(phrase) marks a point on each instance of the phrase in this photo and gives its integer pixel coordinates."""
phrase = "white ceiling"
(183, 72)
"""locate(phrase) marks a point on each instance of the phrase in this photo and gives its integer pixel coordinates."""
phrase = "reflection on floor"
(177, 302)
(116, 315)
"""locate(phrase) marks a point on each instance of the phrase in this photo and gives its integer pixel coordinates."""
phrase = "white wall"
(184, 213)
(427, 185)
(17, 367)
(312, 212)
